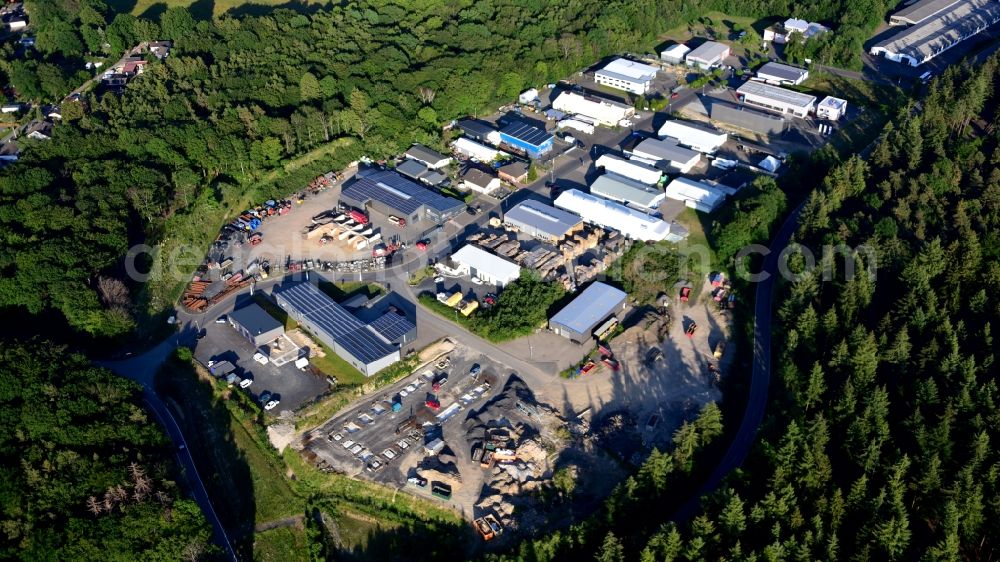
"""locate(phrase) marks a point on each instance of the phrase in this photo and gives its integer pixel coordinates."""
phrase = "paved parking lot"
(371, 431)
(292, 386)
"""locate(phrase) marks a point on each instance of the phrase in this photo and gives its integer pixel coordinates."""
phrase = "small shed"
(256, 325)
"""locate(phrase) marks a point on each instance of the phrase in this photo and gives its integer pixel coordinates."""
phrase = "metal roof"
(477, 127)
(666, 150)
(397, 192)
(782, 71)
(589, 308)
(392, 326)
(255, 319)
(709, 51)
(494, 266)
(336, 323)
(411, 168)
(628, 70)
(425, 155)
(677, 50)
(933, 35)
(921, 10)
(543, 218)
(700, 195)
(620, 188)
(526, 133)
(787, 97)
(608, 214)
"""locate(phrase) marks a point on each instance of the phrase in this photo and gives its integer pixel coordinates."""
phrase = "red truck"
(358, 216)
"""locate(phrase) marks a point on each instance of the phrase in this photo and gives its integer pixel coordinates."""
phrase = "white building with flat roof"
(599, 110)
(474, 150)
(782, 74)
(831, 108)
(624, 190)
(624, 74)
(695, 136)
(632, 169)
(675, 54)
(695, 194)
(477, 262)
(615, 216)
(708, 55)
(776, 99)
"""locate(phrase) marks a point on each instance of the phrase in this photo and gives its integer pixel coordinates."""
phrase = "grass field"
(287, 544)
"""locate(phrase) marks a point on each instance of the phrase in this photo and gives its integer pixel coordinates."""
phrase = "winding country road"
(760, 378)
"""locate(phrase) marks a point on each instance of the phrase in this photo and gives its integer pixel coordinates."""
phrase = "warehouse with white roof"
(477, 262)
(624, 74)
(831, 108)
(695, 194)
(708, 55)
(667, 150)
(595, 304)
(542, 221)
(675, 54)
(624, 190)
(632, 169)
(776, 99)
(472, 149)
(935, 27)
(615, 216)
(782, 74)
(599, 110)
(694, 135)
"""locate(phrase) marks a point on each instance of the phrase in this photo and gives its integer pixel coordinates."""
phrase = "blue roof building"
(528, 138)
(577, 320)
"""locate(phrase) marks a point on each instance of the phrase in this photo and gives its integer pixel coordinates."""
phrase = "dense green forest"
(880, 439)
(85, 474)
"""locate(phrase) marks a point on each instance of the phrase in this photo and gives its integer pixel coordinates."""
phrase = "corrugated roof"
(782, 71)
(620, 188)
(476, 127)
(397, 192)
(336, 323)
(933, 35)
(255, 319)
(526, 133)
(632, 71)
(666, 150)
(789, 97)
(921, 10)
(706, 196)
(544, 218)
(392, 326)
(411, 168)
(481, 260)
(425, 155)
(708, 51)
(608, 214)
(590, 307)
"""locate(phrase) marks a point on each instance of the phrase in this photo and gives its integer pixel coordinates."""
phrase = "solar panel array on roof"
(336, 322)
(392, 326)
(527, 133)
(397, 192)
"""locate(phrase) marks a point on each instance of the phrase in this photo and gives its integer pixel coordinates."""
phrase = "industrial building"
(598, 302)
(780, 33)
(708, 55)
(391, 194)
(418, 171)
(695, 194)
(359, 344)
(527, 138)
(541, 221)
(430, 158)
(256, 325)
(831, 108)
(675, 54)
(394, 328)
(624, 190)
(479, 181)
(695, 136)
(599, 110)
(474, 150)
(937, 25)
(776, 99)
(476, 262)
(667, 150)
(633, 169)
(615, 216)
(624, 74)
(782, 74)
(479, 131)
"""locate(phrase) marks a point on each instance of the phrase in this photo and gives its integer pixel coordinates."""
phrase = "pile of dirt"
(617, 432)
(441, 467)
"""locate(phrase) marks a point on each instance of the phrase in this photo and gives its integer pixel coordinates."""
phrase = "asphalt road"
(760, 378)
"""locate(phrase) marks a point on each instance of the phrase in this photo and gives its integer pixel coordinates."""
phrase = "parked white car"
(245, 383)
(260, 358)
(439, 279)
(271, 405)
(477, 281)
